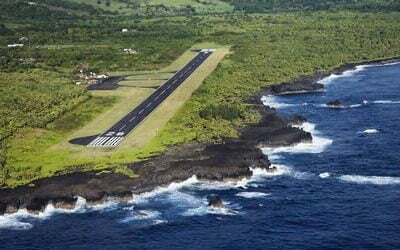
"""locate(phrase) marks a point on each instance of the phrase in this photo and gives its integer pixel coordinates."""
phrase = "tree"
(108, 3)
(98, 1)
(3, 29)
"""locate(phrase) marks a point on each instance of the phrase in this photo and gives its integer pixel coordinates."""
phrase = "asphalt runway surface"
(108, 84)
(113, 136)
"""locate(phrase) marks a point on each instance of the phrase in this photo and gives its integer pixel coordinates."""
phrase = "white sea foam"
(369, 131)
(347, 73)
(376, 180)
(387, 102)
(318, 144)
(324, 175)
(271, 100)
(386, 64)
(16, 221)
(342, 106)
(142, 215)
(250, 195)
(204, 209)
(170, 188)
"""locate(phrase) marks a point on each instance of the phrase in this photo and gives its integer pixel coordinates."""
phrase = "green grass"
(204, 6)
(114, 6)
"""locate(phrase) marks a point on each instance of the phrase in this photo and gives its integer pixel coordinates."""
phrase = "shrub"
(223, 111)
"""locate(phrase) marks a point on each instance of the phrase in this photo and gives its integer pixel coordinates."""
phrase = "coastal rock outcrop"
(231, 160)
(300, 86)
(215, 201)
(335, 104)
(274, 131)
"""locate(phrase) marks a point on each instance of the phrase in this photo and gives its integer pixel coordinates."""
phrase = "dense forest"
(307, 5)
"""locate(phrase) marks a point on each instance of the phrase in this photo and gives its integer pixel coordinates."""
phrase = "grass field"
(205, 6)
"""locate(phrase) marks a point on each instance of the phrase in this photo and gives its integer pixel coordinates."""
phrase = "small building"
(15, 45)
(124, 30)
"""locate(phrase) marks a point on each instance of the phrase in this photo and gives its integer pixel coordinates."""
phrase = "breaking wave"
(369, 131)
(23, 220)
(317, 145)
(387, 102)
(250, 195)
(270, 100)
(347, 73)
(324, 175)
(376, 180)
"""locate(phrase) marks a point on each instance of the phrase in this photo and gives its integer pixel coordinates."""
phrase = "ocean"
(340, 191)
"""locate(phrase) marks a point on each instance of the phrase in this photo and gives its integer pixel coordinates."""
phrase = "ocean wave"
(205, 209)
(141, 215)
(250, 195)
(376, 180)
(324, 175)
(317, 145)
(387, 102)
(144, 197)
(347, 73)
(271, 100)
(17, 221)
(369, 131)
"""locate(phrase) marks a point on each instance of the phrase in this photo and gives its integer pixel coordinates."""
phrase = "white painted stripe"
(162, 92)
(111, 141)
(156, 97)
(148, 105)
(102, 141)
(95, 140)
(94, 143)
(116, 142)
(141, 111)
(133, 118)
(122, 127)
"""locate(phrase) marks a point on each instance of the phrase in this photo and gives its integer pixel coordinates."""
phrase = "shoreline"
(231, 160)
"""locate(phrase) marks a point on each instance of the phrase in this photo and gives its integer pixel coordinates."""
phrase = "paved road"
(113, 136)
(109, 84)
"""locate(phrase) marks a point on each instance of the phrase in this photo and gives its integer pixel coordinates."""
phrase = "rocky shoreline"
(232, 159)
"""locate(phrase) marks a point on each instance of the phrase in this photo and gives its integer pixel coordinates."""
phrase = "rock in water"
(335, 104)
(215, 201)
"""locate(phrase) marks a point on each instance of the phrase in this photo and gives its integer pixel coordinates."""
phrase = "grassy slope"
(268, 49)
(213, 6)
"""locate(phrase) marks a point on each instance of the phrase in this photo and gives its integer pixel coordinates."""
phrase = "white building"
(124, 30)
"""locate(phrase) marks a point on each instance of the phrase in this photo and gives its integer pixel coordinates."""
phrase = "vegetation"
(306, 5)
(221, 111)
(41, 107)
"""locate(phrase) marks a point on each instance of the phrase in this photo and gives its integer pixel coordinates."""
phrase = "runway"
(114, 135)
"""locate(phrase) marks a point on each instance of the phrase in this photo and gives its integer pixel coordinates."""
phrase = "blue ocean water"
(341, 191)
